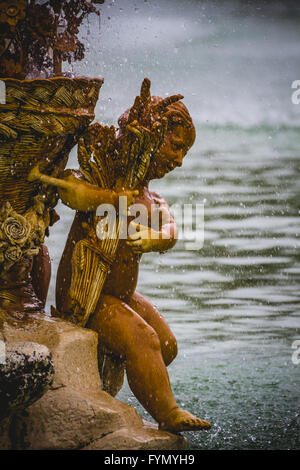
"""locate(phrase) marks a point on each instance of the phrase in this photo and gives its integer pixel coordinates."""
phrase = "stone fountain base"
(74, 413)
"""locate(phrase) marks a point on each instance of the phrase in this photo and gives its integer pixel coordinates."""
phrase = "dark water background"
(233, 305)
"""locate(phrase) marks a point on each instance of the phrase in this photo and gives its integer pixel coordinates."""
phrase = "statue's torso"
(122, 278)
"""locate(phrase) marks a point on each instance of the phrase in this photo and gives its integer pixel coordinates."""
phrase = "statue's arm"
(168, 231)
(78, 194)
(147, 239)
(81, 195)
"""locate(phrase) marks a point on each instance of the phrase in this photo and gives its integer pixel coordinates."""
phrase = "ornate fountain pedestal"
(74, 413)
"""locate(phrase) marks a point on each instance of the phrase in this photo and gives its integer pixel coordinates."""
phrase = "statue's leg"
(41, 273)
(126, 333)
(152, 316)
(111, 369)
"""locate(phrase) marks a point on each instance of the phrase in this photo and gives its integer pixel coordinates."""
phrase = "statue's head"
(179, 138)
(180, 134)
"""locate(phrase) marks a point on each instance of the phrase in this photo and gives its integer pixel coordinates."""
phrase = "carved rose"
(13, 253)
(3, 246)
(16, 229)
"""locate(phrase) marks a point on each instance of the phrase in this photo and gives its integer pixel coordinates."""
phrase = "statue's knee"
(170, 350)
(145, 337)
(149, 336)
(174, 348)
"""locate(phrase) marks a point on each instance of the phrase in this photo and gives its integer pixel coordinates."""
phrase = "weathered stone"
(65, 419)
(146, 438)
(78, 370)
(75, 413)
(24, 376)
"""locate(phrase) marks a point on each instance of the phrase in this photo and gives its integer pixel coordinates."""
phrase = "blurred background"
(234, 304)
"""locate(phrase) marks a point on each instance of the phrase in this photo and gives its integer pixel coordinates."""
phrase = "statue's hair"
(178, 113)
(171, 108)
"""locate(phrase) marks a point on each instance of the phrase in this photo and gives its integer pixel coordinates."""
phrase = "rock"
(75, 413)
(74, 350)
(146, 438)
(25, 375)
(66, 419)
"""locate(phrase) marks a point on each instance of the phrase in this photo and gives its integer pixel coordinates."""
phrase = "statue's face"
(177, 142)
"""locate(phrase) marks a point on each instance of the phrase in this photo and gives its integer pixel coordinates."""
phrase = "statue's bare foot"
(180, 420)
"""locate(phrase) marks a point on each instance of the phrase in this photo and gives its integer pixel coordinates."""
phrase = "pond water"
(234, 304)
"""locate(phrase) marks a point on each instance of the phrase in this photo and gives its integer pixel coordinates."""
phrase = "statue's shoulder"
(158, 199)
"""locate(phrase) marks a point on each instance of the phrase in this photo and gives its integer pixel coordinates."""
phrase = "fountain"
(67, 399)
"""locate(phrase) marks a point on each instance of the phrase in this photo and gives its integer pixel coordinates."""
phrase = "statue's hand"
(143, 239)
(129, 194)
(34, 174)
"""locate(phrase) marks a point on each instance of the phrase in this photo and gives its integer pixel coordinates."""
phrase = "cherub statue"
(154, 136)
